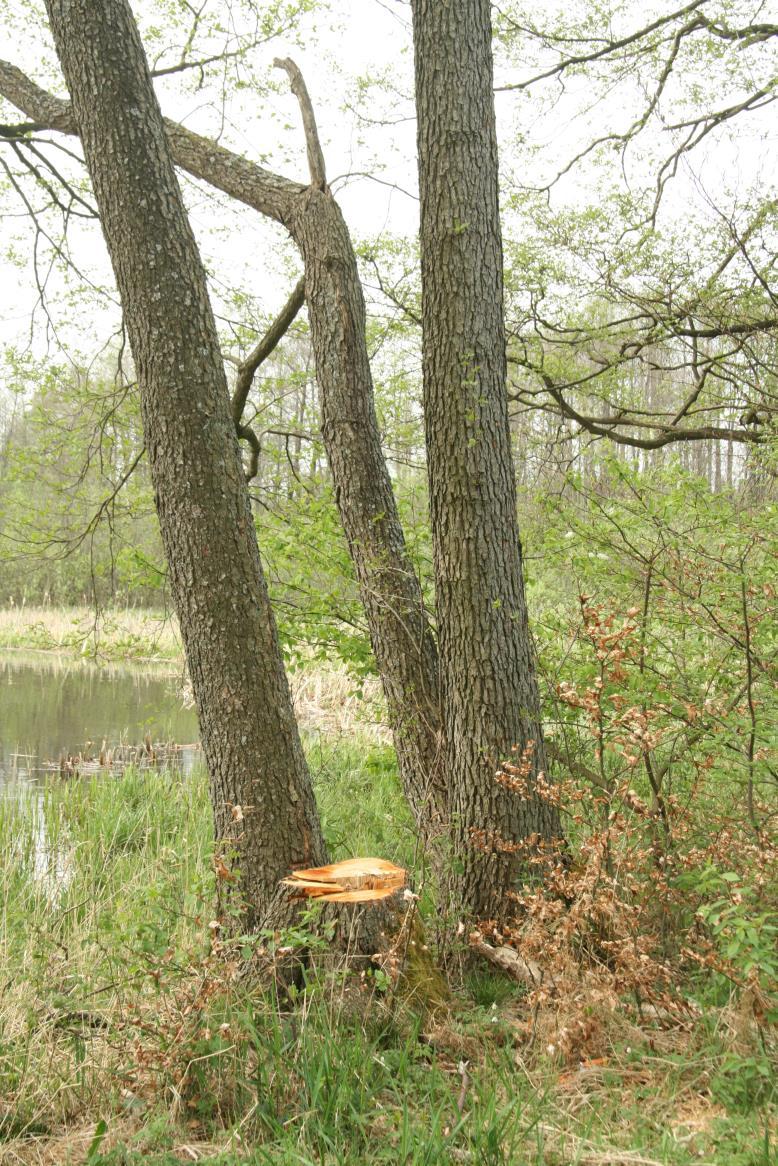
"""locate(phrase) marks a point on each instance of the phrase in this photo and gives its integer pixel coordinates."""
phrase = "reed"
(123, 633)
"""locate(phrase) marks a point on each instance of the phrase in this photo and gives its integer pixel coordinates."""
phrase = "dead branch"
(509, 961)
(313, 145)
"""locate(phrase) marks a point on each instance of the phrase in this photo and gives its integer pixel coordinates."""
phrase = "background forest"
(622, 1010)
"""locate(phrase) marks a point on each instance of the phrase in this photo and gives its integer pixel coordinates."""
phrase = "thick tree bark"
(488, 682)
(400, 632)
(264, 810)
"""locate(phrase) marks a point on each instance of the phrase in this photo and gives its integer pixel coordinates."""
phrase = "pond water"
(53, 707)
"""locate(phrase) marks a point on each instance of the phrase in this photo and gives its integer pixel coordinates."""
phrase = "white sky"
(351, 39)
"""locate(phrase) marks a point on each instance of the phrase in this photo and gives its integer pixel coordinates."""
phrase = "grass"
(126, 1037)
(128, 634)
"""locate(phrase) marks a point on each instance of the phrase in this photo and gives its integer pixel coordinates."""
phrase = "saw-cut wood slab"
(356, 880)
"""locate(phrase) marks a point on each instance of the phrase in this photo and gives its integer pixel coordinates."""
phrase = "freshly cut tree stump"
(390, 937)
(356, 880)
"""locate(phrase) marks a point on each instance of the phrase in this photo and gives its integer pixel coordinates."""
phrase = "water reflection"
(53, 707)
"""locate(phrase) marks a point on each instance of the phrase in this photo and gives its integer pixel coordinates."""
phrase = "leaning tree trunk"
(488, 682)
(264, 810)
(400, 631)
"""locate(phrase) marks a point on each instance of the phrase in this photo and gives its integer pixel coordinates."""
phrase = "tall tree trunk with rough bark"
(265, 815)
(488, 682)
(400, 632)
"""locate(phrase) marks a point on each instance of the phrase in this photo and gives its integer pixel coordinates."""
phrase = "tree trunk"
(400, 633)
(488, 682)
(264, 811)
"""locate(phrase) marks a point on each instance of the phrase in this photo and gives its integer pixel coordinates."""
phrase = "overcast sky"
(341, 43)
(364, 37)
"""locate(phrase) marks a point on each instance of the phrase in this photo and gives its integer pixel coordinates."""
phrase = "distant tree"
(77, 516)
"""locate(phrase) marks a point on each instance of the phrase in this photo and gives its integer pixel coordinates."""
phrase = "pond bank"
(128, 634)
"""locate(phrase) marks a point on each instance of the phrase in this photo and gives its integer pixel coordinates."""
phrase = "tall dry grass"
(129, 633)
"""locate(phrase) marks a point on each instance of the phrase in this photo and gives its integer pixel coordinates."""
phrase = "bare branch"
(259, 354)
(20, 148)
(750, 35)
(247, 370)
(20, 132)
(313, 145)
(242, 179)
(392, 294)
(47, 111)
(635, 47)
(227, 55)
(609, 427)
(610, 47)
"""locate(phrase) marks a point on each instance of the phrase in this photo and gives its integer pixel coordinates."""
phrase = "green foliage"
(695, 572)
(76, 514)
(121, 1008)
(364, 777)
(311, 580)
(311, 577)
(744, 1083)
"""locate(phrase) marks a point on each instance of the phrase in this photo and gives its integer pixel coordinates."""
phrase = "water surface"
(53, 706)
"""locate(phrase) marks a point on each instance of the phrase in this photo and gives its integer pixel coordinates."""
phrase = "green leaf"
(97, 1140)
